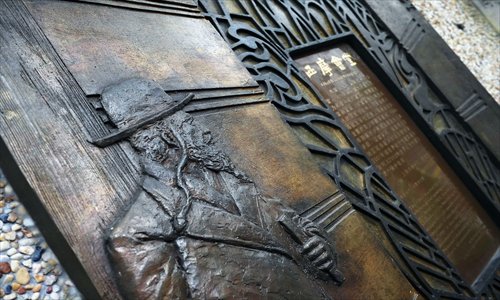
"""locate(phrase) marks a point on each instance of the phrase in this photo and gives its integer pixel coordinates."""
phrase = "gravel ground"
(29, 269)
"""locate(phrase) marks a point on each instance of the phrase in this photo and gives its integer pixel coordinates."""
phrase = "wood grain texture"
(43, 113)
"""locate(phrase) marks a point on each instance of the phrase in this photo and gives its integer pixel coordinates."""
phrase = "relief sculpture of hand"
(315, 248)
(316, 251)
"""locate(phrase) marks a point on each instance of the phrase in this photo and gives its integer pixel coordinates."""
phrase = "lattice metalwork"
(263, 32)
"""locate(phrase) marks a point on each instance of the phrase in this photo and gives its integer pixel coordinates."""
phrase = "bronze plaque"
(105, 45)
(412, 166)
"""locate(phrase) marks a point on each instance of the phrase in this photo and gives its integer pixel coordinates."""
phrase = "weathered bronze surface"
(175, 148)
(269, 35)
(102, 45)
(405, 157)
(199, 227)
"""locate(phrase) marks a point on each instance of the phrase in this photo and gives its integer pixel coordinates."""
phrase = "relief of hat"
(134, 103)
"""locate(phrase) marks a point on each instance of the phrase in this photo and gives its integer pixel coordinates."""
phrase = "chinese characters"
(326, 68)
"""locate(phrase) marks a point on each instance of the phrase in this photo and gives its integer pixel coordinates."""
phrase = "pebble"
(50, 279)
(14, 265)
(37, 255)
(4, 245)
(28, 222)
(48, 269)
(4, 217)
(5, 267)
(27, 263)
(8, 189)
(37, 288)
(17, 256)
(11, 251)
(7, 279)
(27, 242)
(21, 291)
(36, 268)
(12, 217)
(39, 278)
(6, 227)
(49, 289)
(56, 288)
(46, 256)
(10, 296)
(35, 296)
(15, 286)
(28, 250)
(10, 236)
(16, 227)
(22, 276)
(52, 262)
(8, 289)
(27, 233)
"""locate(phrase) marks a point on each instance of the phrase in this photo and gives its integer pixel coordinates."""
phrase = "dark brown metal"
(286, 29)
(145, 120)
(412, 166)
(194, 187)
(193, 198)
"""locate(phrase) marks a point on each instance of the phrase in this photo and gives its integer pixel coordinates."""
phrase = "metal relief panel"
(189, 163)
(185, 159)
(102, 45)
(445, 72)
(413, 168)
(264, 33)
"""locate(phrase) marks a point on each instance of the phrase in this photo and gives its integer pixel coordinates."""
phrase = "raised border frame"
(264, 33)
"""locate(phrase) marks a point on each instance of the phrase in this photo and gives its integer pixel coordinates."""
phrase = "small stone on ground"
(28, 268)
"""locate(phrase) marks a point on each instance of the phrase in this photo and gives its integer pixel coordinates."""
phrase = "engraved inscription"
(406, 158)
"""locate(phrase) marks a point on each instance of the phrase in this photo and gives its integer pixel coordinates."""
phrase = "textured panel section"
(102, 45)
(42, 115)
(182, 8)
(443, 69)
(262, 33)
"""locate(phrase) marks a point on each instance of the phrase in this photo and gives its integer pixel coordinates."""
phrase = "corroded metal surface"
(412, 166)
(198, 225)
(102, 45)
(160, 157)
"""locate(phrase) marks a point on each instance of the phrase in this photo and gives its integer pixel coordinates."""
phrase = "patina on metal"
(170, 172)
(199, 227)
(412, 166)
